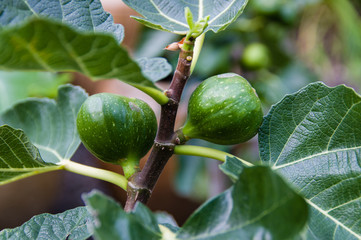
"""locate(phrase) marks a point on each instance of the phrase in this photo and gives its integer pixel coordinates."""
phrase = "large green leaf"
(18, 157)
(83, 15)
(114, 223)
(45, 45)
(49, 124)
(15, 86)
(71, 224)
(260, 205)
(169, 15)
(313, 139)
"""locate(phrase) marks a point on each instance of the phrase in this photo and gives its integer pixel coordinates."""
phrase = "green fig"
(223, 109)
(117, 129)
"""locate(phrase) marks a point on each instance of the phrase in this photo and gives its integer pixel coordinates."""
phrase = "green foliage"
(116, 224)
(71, 224)
(50, 134)
(19, 158)
(258, 189)
(46, 45)
(195, 28)
(15, 86)
(248, 209)
(49, 38)
(309, 185)
(116, 128)
(88, 17)
(50, 125)
(155, 68)
(224, 109)
(232, 168)
(313, 139)
(166, 15)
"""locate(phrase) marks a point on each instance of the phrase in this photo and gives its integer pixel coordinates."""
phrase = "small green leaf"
(18, 157)
(232, 167)
(45, 45)
(15, 86)
(49, 124)
(83, 15)
(189, 17)
(313, 139)
(248, 210)
(112, 222)
(71, 224)
(169, 15)
(155, 69)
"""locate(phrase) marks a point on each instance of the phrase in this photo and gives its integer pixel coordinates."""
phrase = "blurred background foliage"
(279, 46)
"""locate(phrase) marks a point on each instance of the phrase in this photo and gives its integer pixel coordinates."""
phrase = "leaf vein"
(222, 12)
(315, 155)
(165, 16)
(337, 222)
(33, 52)
(343, 118)
(296, 127)
(343, 204)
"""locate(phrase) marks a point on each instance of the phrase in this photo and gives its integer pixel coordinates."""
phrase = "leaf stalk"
(97, 173)
(206, 152)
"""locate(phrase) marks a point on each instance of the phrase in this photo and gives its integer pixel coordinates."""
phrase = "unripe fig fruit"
(117, 129)
(255, 56)
(224, 109)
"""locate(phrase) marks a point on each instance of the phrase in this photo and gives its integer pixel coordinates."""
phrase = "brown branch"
(141, 185)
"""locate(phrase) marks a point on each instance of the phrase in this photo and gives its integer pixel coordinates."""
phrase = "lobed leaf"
(49, 124)
(313, 139)
(169, 15)
(82, 15)
(71, 224)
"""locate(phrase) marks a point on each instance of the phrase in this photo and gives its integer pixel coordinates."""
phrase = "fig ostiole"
(223, 109)
(117, 129)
